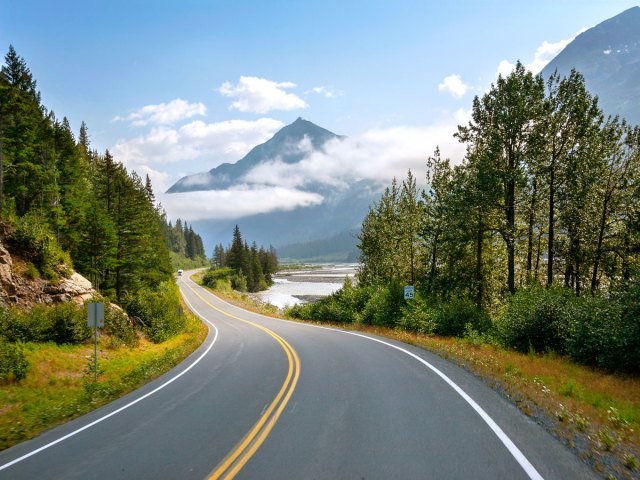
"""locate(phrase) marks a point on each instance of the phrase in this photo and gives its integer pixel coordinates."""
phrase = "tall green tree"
(502, 125)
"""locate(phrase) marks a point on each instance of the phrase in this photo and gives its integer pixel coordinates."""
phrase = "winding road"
(264, 398)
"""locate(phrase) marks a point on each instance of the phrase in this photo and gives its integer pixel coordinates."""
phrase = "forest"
(64, 206)
(241, 267)
(532, 241)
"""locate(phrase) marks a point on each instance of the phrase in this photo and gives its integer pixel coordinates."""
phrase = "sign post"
(409, 292)
(95, 319)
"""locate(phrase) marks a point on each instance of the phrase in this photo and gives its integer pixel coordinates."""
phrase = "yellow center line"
(246, 448)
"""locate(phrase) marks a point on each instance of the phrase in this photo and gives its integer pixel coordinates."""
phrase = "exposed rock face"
(76, 288)
(19, 290)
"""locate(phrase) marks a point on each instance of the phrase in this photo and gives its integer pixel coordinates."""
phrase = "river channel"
(292, 287)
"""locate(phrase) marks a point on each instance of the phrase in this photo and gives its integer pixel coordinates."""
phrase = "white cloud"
(164, 113)
(377, 155)
(259, 95)
(236, 202)
(327, 92)
(454, 85)
(210, 143)
(543, 55)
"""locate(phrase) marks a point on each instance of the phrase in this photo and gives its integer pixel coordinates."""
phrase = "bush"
(537, 319)
(605, 332)
(419, 316)
(32, 236)
(66, 323)
(159, 311)
(13, 365)
(120, 327)
(384, 306)
(453, 316)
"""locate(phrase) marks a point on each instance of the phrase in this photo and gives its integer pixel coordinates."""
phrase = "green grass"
(59, 384)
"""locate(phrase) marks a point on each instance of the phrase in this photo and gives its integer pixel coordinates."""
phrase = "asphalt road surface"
(264, 398)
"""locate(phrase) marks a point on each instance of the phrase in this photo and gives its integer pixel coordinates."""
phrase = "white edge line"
(115, 412)
(529, 469)
(504, 438)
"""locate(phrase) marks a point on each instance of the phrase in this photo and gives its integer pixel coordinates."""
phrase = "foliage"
(159, 311)
(62, 323)
(120, 327)
(32, 237)
(13, 364)
(184, 242)
(537, 319)
(246, 268)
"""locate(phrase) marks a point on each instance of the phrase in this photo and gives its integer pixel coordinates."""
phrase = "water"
(300, 286)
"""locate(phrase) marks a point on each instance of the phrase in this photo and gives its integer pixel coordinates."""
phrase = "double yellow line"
(244, 450)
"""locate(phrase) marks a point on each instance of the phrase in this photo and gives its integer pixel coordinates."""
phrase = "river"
(292, 287)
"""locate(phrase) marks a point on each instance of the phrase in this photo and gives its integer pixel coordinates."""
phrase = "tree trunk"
(511, 223)
(479, 278)
(551, 252)
(596, 262)
(530, 230)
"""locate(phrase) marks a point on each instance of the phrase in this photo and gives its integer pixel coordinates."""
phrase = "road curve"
(264, 398)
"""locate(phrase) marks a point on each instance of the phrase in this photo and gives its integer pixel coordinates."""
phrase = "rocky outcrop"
(76, 288)
(19, 290)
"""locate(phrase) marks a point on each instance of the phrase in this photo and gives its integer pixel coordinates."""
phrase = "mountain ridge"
(284, 145)
(608, 55)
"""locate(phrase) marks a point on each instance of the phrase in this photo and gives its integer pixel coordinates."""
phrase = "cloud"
(543, 55)
(327, 92)
(453, 85)
(236, 202)
(378, 155)
(259, 95)
(210, 143)
(163, 113)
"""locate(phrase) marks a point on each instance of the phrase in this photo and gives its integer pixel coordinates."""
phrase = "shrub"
(32, 236)
(605, 332)
(419, 316)
(537, 319)
(13, 365)
(454, 314)
(384, 306)
(118, 324)
(159, 311)
(25, 325)
(66, 323)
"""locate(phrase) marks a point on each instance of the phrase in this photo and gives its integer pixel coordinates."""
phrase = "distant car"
(180, 272)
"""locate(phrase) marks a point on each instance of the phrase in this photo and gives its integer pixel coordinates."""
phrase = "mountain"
(608, 55)
(322, 231)
(282, 146)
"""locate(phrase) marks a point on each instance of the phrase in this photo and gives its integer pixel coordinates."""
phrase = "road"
(264, 398)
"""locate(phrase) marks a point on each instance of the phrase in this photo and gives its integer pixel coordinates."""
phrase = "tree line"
(243, 267)
(182, 240)
(548, 193)
(60, 195)
(533, 238)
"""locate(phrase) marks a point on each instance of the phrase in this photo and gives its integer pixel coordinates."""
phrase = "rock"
(19, 290)
(76, 288)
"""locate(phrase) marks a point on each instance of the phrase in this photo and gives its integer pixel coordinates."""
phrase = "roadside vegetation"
(46, 365)
(525, 260)
(240, 267)
(65, 207)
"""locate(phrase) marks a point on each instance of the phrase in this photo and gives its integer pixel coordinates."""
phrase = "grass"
(595, 413)
(59, 384)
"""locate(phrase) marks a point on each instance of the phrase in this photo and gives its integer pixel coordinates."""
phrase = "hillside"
(608, 55)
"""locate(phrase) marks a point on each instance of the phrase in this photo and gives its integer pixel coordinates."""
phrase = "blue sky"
(177, 87)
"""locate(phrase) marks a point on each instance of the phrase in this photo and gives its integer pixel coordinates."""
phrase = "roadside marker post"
(95, 319)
